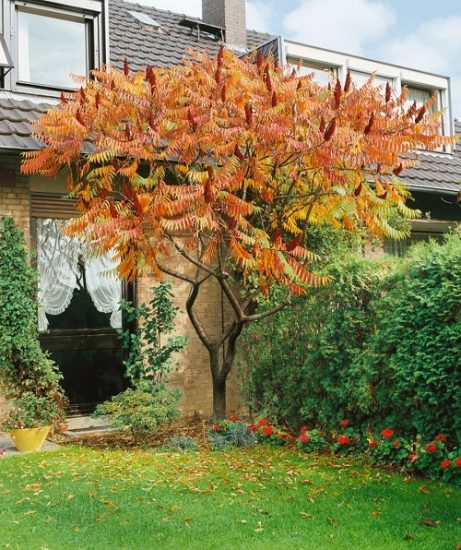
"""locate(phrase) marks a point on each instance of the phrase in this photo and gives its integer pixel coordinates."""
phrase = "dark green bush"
(381, 345)
(25, 369)
(305, 371)
(415, 354)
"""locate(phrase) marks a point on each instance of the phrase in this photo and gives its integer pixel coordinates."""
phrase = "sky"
(422, 34)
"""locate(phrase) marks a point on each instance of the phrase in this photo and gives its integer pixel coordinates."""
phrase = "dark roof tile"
(159, 46)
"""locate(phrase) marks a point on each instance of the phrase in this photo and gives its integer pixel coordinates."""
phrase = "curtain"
(61, 263)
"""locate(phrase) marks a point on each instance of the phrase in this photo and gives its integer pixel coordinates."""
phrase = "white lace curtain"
(61, 262)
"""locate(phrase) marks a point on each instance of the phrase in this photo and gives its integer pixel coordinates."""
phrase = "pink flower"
(344, 423)
(445, 464)
(2, 451)
(387, 433)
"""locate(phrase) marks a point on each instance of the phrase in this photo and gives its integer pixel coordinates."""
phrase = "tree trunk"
(219, 386)
(219, 398)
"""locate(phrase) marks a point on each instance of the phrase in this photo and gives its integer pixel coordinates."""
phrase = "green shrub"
(147, 406)
(305, 371)
(310, 441)
(381, 346)
(25, 369)
(230, 433)
(150, 347)
(414, 354)
(183, 443)
(142, 410)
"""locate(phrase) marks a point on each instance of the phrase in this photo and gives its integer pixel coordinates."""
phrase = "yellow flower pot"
(29, 439)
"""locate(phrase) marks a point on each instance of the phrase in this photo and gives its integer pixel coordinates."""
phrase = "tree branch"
(197, 324)
(267, 313)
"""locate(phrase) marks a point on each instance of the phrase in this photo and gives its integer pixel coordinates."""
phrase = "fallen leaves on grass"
(430, 522)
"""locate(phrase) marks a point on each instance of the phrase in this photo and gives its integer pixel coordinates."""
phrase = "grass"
(254, 499)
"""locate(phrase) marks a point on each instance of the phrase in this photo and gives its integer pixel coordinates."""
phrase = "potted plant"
(29, 419)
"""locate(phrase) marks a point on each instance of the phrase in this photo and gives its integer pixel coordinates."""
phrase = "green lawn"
(258, 498)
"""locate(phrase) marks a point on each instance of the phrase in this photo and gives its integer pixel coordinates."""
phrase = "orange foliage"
(227, 153)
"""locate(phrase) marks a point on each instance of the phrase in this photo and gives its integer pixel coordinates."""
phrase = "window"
(49, 42)
(359, 78)
(421, 95)
(422, 231)
(50, 48)
(321, 74)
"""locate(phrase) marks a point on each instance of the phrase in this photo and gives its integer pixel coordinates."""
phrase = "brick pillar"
(229, 14)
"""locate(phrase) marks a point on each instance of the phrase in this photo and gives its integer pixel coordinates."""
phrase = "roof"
(140, 44)
(441, 171)
(161, 46)
(167, 45)
(15, 123)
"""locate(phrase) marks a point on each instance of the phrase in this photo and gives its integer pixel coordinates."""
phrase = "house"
(42, 43)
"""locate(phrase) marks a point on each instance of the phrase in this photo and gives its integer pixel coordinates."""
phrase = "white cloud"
(345, 26)
(434, 46)
(260, 16)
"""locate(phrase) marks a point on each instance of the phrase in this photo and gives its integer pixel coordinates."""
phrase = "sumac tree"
(225, 162)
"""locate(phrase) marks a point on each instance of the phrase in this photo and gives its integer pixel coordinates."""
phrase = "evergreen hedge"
(380, 346)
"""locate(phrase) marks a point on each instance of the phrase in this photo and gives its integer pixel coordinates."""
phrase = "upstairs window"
(321, 74)
(360, 78)
(51, 46)
(420, 96)
(50, 41)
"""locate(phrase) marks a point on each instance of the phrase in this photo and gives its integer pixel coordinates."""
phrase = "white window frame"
(89, 12)
(397, 75)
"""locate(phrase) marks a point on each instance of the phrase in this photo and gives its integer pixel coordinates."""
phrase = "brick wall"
(14, 193)
(193, 375)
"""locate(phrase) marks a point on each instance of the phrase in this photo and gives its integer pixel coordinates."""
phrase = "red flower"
(268, 430)
(441, 438)
(431, 448)
(304, 438)
(263, 422)
(344, 422)
(233, 419)
(412, 457)
(303, 429)
(445, 464)
(217, 427)
(344, 440)
(387, 433)
(373, 444)
(252, 427)
(458, 462)
(396, 443)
